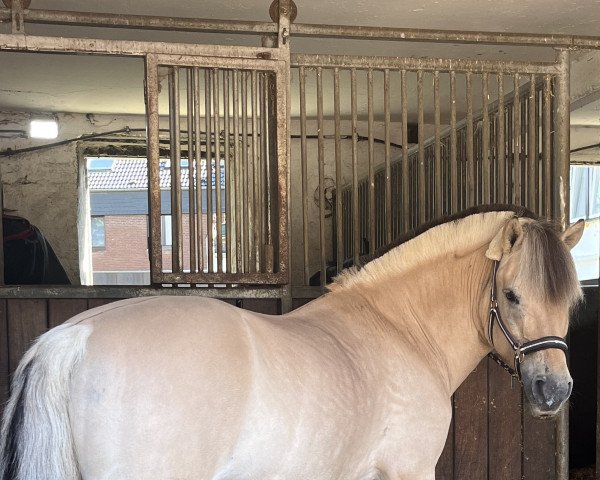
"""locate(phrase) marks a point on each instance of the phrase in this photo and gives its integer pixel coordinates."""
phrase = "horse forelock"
(547, 264)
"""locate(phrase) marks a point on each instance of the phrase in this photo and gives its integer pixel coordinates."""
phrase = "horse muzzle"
(546, 392)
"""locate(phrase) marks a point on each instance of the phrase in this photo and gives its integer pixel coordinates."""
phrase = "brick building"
(119, 218)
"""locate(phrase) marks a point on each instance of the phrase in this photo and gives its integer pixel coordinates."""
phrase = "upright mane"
(550, 268)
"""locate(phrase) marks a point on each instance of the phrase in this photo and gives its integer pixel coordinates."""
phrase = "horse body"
(354, 385)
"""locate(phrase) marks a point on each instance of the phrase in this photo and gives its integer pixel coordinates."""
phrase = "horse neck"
(441, 309)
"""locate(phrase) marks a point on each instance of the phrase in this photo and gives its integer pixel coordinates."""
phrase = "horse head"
(534, 286)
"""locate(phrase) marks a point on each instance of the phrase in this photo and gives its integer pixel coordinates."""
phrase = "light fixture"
(46, 128)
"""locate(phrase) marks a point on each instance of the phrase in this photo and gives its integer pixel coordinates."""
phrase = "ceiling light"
(43, 129)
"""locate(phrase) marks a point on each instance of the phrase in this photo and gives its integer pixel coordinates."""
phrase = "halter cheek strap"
(519, 349)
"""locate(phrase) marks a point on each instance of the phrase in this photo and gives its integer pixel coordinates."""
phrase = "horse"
(355, 385)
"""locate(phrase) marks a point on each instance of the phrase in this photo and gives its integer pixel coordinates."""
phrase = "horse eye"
(511, 296)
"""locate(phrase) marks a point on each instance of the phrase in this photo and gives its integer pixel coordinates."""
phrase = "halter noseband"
(520, 349)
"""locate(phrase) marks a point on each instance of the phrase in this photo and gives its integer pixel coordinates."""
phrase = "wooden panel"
(471, 426)
(60, 310)
(261, 305)
(98, 302)
(298, 302)
(27, 320)
(444, 470)
(4, 349)
(539, 444)
(504, 425)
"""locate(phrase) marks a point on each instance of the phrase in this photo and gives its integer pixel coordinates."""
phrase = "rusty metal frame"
(280, 69)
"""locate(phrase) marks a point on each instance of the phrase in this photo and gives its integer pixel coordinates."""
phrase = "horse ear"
(505, 240)
(573, 234)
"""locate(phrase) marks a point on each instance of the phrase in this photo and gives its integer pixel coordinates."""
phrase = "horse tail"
(36, 442)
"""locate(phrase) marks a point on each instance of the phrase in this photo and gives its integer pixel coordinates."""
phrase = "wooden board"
(60, 310)
(262, 305)
(4, 349)
(504, 440)
(471, 426)
(27, 320)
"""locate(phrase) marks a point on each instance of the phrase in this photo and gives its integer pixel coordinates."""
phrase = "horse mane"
(550, 270)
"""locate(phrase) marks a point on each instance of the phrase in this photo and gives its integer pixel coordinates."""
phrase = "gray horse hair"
(36, 441)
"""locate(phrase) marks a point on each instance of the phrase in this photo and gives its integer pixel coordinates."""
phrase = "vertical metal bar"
(154, 200)
(388, 166)
(372, 231)
(191, 161)
(270, 182)
(516, 142)
(338, 170)
(501, 146)
(218, 200)
(532, 156)
(321, 160)
(405, 166)
(254, 223)
(209, 157)
(422, 194)
(198, 168)
(355, 205)
(260, 167)
(438, 190)
(228, 180)
(175, 153)
(453, 142)
(471, 176)
(304, 167)
(561, 213)
(547, 146)
(246, 234)
(237, 177)
(485, 140)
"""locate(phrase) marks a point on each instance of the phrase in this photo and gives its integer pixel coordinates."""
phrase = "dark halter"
(520, 349)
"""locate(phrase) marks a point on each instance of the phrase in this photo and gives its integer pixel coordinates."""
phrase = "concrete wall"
(43, 185)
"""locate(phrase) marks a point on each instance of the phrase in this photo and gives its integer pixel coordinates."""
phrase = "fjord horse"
(355, 385)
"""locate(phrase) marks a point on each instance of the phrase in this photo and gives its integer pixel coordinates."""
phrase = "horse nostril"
(538, 388)
(570, 388)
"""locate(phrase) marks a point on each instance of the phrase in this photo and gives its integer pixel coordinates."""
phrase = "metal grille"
(221, 186)
(493, 146)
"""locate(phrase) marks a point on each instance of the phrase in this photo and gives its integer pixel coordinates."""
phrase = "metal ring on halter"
(520, 349)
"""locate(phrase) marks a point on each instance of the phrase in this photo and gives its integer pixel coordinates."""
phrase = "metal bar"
(321, 160)
(532, 156)
(422, 194)
(154, 202)
(209, 156)
(338, 171)
(438, 190)
(244, 174)
(270, 142)
(453, 144)
(501, 145)
(424, 64)
(192, 155)
(217, 143)
(254, 213)
(237, 172)
(174, 127)
(198, 167)
(151, 22)
(485, 140)
(31, 43)
(228, 177)
(304, 167)
(471, 174)
(370, 133)
(516, 142)
(355, 207)
(113, 291)
(388, 166)
(405, 159)
(561, 214)
(547, 146)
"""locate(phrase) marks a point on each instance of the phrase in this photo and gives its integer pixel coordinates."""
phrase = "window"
(166, 234)
(98, 233)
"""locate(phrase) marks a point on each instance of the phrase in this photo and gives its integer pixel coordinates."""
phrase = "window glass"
(98, 233)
